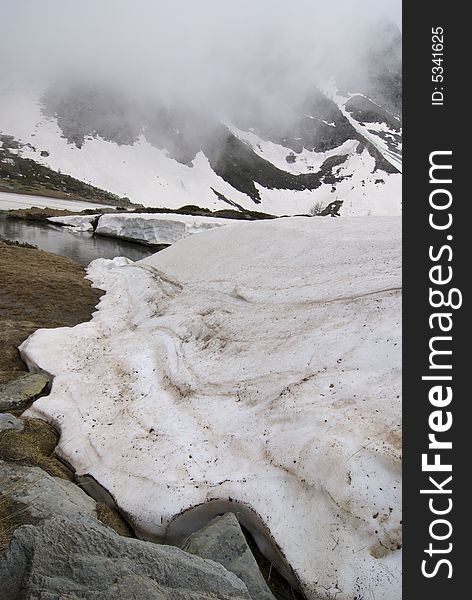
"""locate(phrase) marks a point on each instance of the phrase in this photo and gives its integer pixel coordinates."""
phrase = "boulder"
(29, 494)
(42, 495)
(20, 393)
(223, 541)
(79, 559)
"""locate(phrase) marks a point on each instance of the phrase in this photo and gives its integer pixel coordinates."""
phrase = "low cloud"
(216, 56)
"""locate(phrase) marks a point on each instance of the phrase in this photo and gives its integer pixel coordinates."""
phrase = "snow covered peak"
(333, 147)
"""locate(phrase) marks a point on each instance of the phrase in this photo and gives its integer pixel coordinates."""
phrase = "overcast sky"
(206, 50)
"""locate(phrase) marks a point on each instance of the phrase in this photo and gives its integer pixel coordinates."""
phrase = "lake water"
(82, 247)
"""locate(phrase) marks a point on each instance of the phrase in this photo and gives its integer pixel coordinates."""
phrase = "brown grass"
(112, 518)
(34, 446)
(38, 289)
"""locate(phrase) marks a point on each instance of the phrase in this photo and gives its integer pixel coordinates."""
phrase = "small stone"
(20, 393)
(8, 421)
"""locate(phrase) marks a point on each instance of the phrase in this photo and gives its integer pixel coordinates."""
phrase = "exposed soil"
(38, 289)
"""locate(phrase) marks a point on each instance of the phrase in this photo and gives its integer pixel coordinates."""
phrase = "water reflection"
(82, 247)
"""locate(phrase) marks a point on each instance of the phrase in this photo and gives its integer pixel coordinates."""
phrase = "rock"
(12, 515)
(8, 421)
(79, 559)
(223, 541)
(43, 495)
(20, 393)
(29, 494)
(332, 209)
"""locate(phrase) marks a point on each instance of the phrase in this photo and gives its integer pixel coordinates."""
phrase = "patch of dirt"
(38, 289)
(111, 517)
(41, 214)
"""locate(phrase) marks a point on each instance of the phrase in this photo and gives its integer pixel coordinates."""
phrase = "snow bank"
(155, 228)
(258, 363)
(76, 222)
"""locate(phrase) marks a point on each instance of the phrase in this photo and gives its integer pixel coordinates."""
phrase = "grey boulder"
(79, 559)
(222, 540)
(20, 393)
(43, 496)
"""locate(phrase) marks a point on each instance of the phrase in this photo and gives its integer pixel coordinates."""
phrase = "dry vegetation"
(38, 289)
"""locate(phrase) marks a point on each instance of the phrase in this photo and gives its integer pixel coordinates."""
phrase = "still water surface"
(82, 247)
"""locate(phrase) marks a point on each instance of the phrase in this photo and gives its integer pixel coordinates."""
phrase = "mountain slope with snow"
(257, 365)
(336, 147)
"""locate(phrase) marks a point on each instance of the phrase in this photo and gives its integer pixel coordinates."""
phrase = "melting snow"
(259, 362)
(156, 228)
